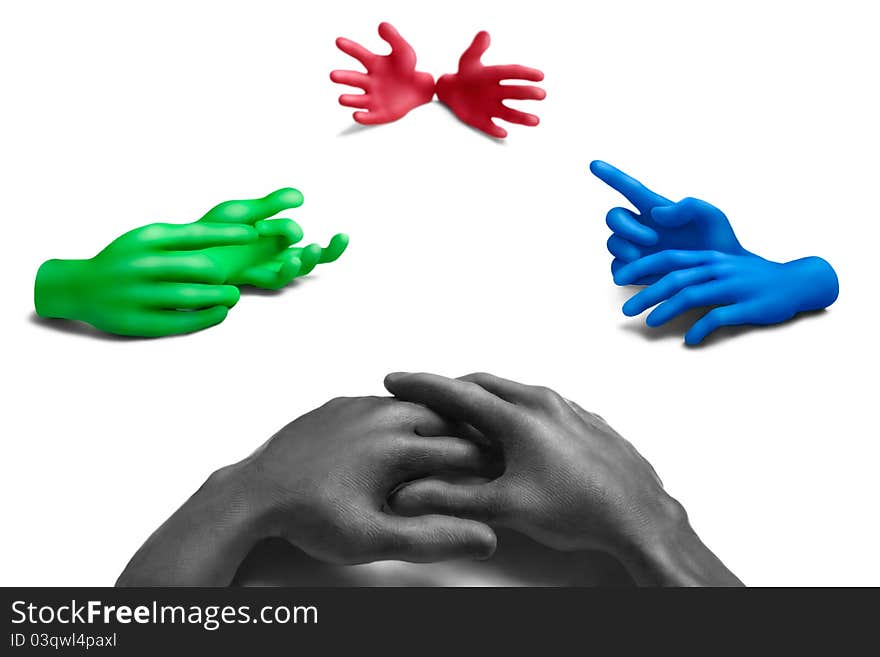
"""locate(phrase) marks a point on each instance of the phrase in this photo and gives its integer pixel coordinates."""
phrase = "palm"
(475, 93)
(392, 86)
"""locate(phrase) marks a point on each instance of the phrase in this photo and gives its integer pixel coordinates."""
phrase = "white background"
(466, 254)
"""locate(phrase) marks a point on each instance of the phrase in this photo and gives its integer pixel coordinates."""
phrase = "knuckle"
(480, 376)
(152, 231)
(677, 278)
(471, 388)
(547, 395)
(398, 447)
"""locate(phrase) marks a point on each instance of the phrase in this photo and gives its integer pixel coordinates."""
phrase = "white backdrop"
(466, 254)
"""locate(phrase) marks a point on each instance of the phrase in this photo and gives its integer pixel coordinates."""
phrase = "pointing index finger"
(639, 195)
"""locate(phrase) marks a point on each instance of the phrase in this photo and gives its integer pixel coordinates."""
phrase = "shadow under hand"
(518, 561)
(501, 141)
(726, 332)
(74, 327)
(356, 128)
(678, 326)
(251, 291)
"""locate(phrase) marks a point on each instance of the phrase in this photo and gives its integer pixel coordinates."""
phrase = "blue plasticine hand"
(745, 289)
(662, 224)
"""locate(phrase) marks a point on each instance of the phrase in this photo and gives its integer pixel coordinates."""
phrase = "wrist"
(204, 542)
(444, 87)
(57, 290)
(426, 86)
(671, 554)
(238, 491)
(816, 282)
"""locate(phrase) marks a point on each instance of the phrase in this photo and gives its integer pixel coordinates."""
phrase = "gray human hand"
(569, 480)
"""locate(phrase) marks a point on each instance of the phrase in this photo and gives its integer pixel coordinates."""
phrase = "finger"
(443, 454)
(356, 50)
(662, 262)
(490, 128)
(623, 249)
(355, 100)
(291, 266)
(286, 229)
(187, 296)
(270, 276)
(475, 51)
(626, 224)
(336, 247)
(696, 296)
(457, 400)
(431, 538)
(515, 72)
(198, 235)
(428, 424)
(522, 92)
(399, 45)
(371, 118)
(684, 212)
(617, 264)
(515, 392)
(249, 211)
(515, 116)
(716, 318)
(180, 267)
(639, 195)
(424, 496)
(308, 256)
(351, 78)
(171, 322)
(508, 390)
(667, 286)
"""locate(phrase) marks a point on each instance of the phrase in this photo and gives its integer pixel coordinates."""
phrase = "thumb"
(398, 44)
(431, 538)
(474, 52)
(686, 211)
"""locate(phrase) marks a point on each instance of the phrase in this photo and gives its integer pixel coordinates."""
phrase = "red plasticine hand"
(475, 94)
(392, 85)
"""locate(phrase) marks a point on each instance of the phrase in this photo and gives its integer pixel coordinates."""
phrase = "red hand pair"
(392, 86)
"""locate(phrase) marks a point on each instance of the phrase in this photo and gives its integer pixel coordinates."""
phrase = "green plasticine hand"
(270, 262)
(152, 281)
(165, 279)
